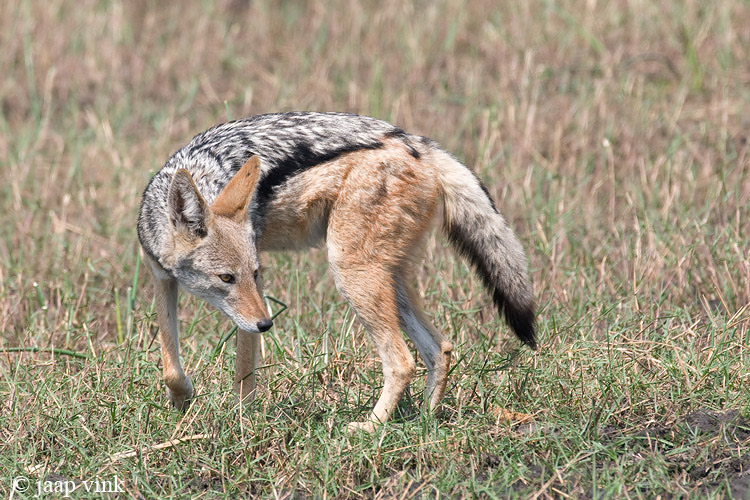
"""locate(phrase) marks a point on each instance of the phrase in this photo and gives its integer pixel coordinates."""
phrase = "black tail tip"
(522, 323)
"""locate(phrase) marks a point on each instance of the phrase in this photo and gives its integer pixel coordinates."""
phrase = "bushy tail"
(478, 231)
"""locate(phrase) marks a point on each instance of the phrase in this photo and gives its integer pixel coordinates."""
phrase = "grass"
(614, 137)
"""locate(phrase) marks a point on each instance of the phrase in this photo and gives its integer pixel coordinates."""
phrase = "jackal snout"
(247, 309)
(265, 324)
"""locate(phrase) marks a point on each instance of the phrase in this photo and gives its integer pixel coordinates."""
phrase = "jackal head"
(214, 255)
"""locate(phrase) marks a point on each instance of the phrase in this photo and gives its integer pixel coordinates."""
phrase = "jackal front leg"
(179, 387)
(245, 363)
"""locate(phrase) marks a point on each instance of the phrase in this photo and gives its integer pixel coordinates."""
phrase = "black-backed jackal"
(290, 181)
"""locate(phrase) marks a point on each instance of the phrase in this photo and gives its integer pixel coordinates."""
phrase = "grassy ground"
(614, 136)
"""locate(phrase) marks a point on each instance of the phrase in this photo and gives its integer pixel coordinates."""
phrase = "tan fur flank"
(378, 206)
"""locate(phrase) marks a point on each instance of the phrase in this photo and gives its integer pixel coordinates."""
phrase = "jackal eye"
(256, 273)
(227, 278)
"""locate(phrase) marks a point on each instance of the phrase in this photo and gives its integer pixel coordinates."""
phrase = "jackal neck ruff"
(287, 143)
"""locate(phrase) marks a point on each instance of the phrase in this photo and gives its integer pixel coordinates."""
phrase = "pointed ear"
(233, 200)
(188, 211)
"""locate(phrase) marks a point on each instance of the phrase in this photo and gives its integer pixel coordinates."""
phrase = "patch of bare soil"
(706, 451)
(730, 456)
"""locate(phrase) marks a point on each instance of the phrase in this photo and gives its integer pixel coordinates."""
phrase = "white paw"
(355, 427)
(180, 397)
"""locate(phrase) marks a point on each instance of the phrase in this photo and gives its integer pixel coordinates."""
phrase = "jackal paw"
(355, 427)
(180, 398)
(246, 400)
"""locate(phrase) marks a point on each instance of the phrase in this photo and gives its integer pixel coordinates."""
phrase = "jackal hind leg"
(434, 349)
(382, 210)
(370, 293)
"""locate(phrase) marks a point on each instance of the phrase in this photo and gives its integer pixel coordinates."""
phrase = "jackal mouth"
(253, 325)
(259, 326)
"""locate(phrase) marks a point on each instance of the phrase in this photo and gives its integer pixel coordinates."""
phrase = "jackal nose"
(264, 324)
